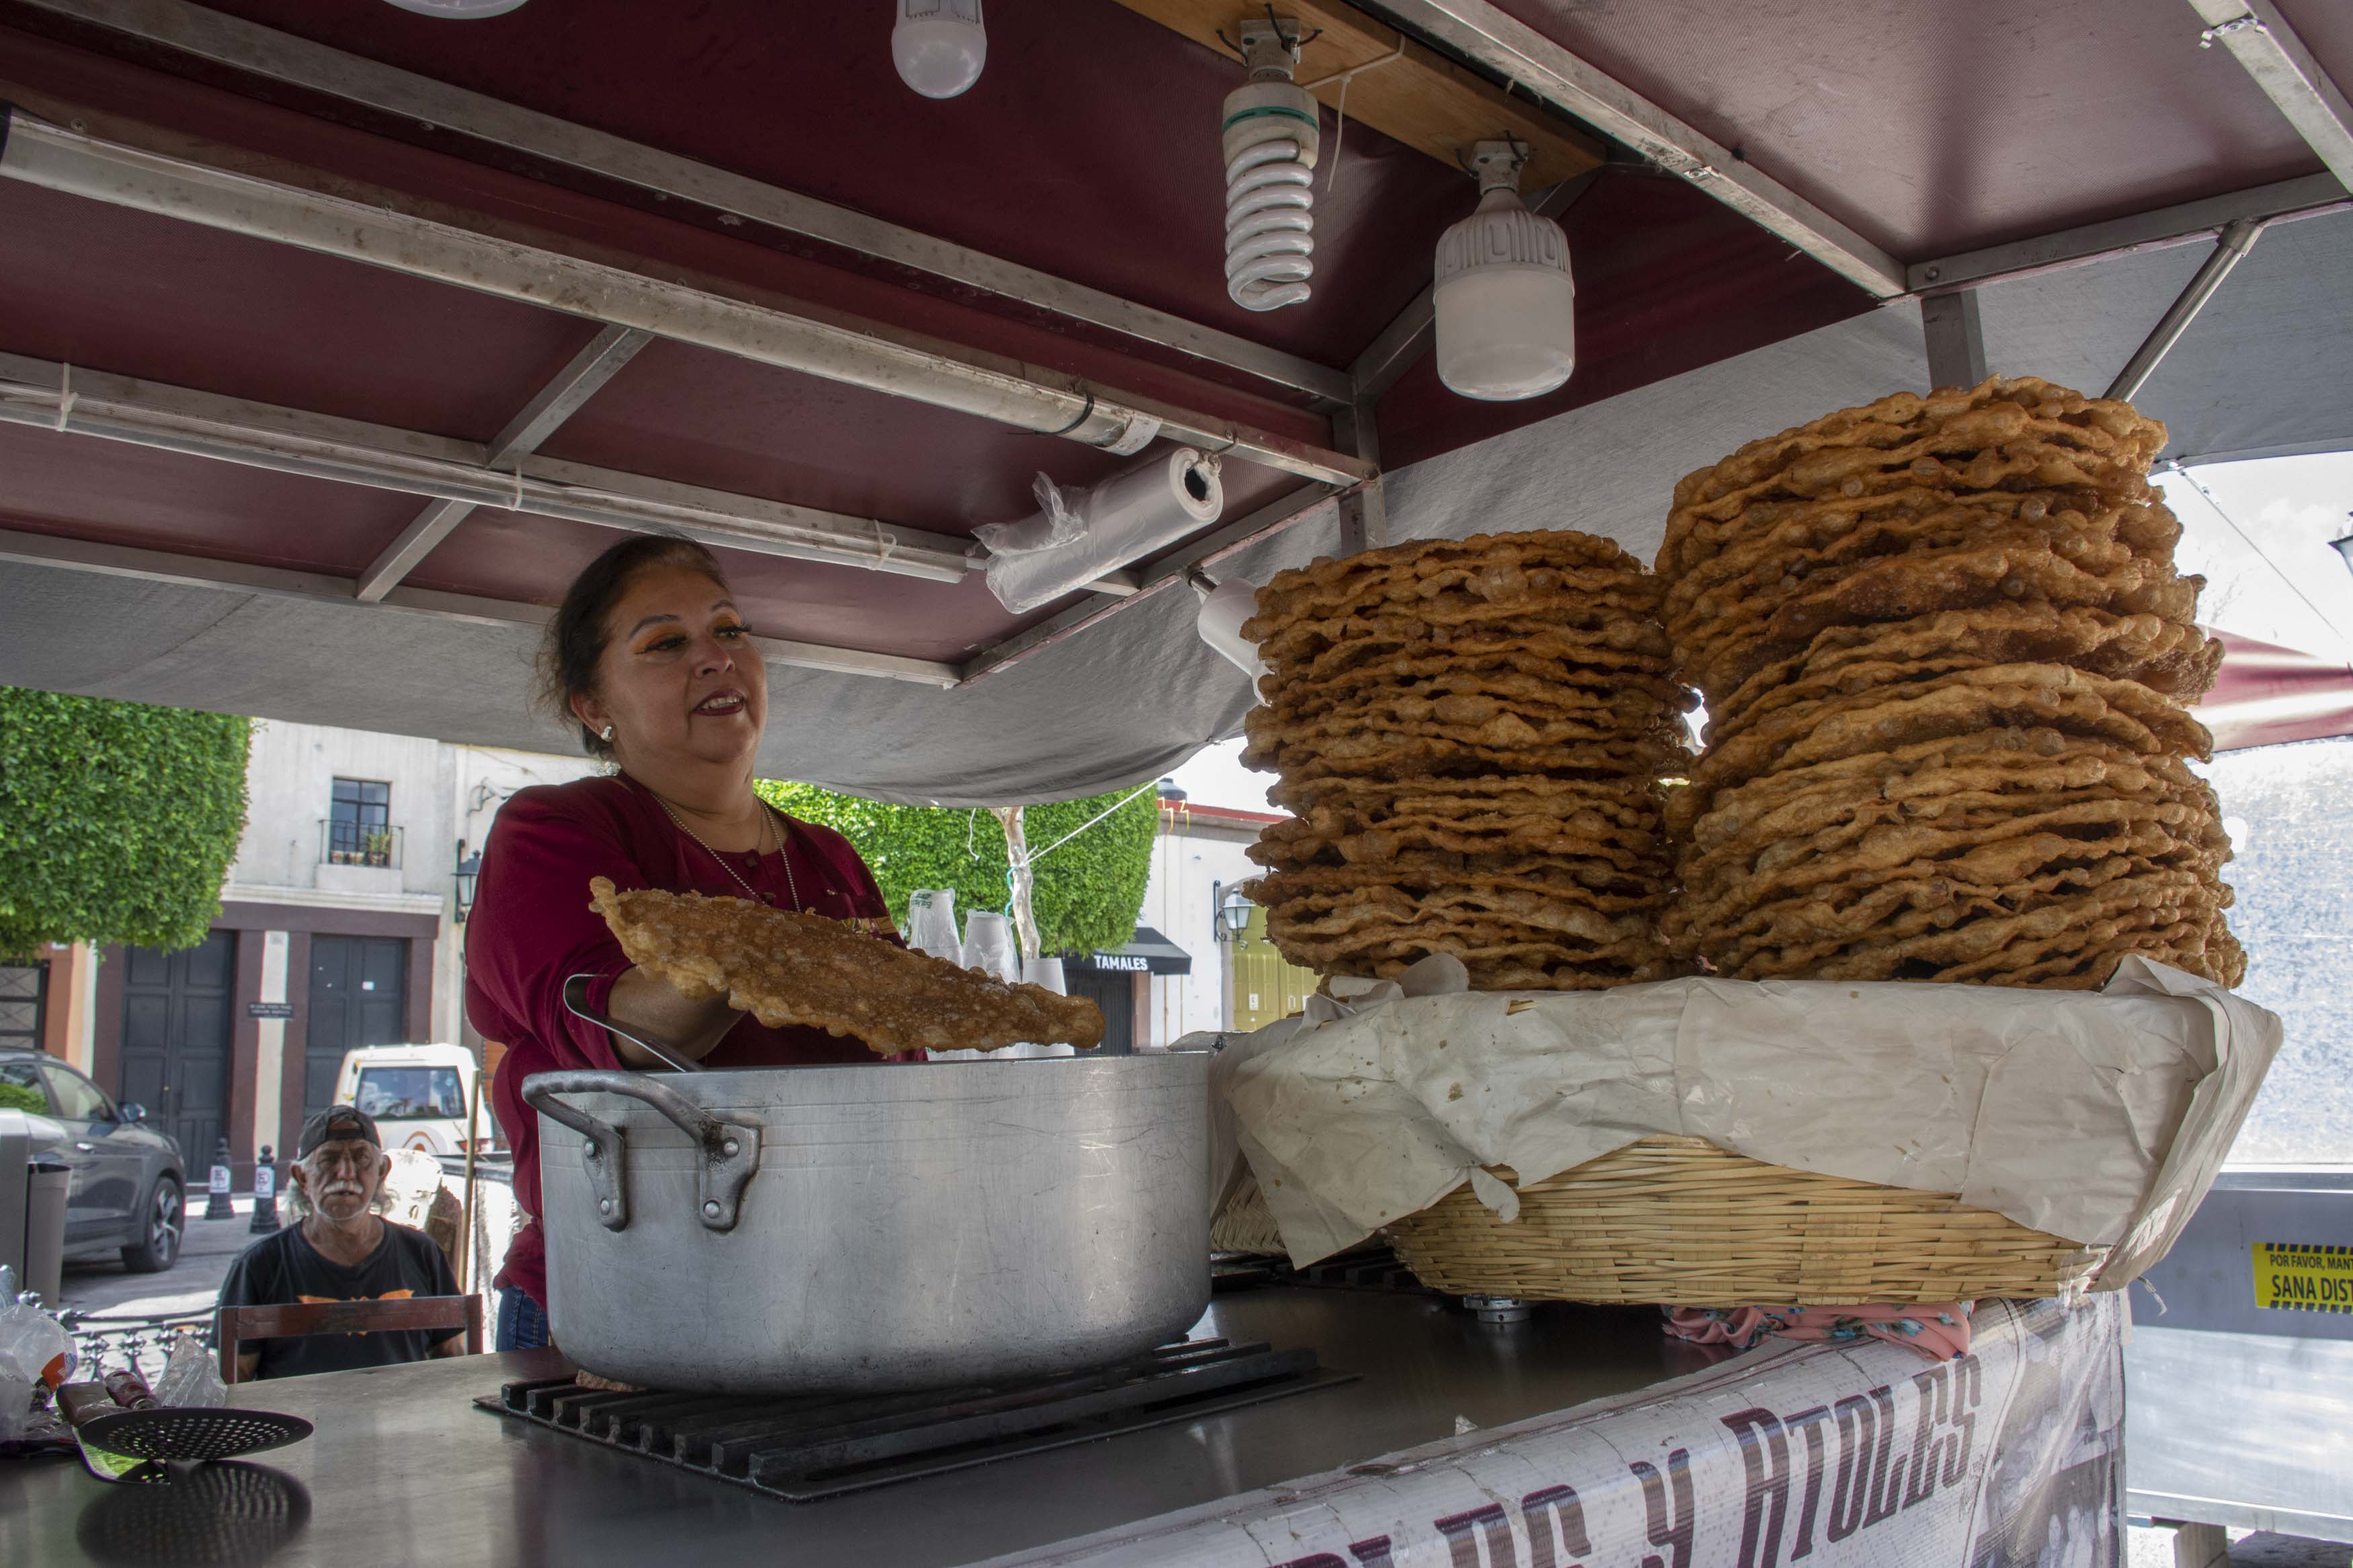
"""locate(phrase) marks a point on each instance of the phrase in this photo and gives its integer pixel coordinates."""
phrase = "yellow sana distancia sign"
(2299, 1278)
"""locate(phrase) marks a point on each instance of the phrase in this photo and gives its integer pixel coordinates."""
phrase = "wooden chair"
(234, 1325)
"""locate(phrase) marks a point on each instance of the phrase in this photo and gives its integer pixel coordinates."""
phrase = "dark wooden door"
(359, 988)
(175, 1024)
(1114, 993)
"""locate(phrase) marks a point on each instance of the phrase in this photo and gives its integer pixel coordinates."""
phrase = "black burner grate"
(806, 1448)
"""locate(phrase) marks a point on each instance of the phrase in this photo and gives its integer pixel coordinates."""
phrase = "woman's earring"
(609, 734)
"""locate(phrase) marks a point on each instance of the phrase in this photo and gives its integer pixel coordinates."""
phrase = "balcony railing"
(356, 844)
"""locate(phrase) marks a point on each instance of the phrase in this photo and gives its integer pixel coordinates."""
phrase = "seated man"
(344, 1250)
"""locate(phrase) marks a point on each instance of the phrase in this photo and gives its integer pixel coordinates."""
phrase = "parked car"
(419, 1096)
(129, 1189)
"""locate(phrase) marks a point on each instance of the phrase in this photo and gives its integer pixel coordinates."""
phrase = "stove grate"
(806, 1447)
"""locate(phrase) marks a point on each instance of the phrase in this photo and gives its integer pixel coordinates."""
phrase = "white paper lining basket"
(1714, 1143)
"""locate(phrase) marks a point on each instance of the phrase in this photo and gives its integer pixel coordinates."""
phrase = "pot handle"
(731, 1150)
(575, 1002)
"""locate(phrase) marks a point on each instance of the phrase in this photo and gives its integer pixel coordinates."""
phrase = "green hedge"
(1088, 892)
(118, 821)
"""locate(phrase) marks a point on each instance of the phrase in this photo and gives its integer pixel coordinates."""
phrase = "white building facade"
(339, 927)
(1199, 860)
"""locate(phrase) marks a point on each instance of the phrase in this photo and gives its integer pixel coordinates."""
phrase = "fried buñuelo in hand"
(784, 967)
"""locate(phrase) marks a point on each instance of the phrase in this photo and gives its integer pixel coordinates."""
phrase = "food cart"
(336, 339)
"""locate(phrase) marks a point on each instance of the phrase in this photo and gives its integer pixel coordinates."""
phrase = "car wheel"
(161, 1223)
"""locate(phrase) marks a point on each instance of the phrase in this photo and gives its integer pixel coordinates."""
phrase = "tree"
(1087, 891)
(118, 821)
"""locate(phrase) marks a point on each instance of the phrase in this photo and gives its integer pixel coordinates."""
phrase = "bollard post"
(216, 1204)
(265, 1194)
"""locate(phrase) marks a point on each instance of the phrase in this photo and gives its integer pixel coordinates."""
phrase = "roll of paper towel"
(1077, 535)
(1224, 608)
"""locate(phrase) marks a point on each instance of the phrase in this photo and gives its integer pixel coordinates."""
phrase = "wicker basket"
(1682, 1222)
(1246, 1224)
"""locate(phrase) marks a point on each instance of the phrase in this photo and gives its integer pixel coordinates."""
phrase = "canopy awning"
(2268, 694)
(334, 340)
(1146, 952)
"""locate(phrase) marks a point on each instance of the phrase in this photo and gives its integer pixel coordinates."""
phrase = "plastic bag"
(988, 946)
(1077, 535)
(15, 1405)
(34, 1347)
(191, 1380)
(931, 923)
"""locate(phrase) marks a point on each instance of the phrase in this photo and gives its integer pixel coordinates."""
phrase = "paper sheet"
(2099, 1118)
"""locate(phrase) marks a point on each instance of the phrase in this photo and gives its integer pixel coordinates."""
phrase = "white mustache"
(340, 1188)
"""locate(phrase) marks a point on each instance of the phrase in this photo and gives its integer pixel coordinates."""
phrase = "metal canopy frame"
(2260, 40)
(273, 56)
(633, 308)
(424, 604)
(822, 343)
(1483, 33)
(46, 394)
(574, 385)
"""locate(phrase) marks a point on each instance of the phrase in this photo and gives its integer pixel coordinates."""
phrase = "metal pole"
(473, 1125)
(2237, 240)
(1364, 512)
(1957, 355)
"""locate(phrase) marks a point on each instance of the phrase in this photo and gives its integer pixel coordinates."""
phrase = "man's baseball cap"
(336, 1122)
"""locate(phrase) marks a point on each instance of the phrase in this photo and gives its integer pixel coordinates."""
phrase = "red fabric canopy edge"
(2268, 694)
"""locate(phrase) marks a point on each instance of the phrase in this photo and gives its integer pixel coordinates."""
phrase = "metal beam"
(1956, 355)
(1163, 572)
(1364, 510)
(1482, 32)
(574, 385)
(163, 567)
(2309, 195)
(2261, 38)
(1413, 330)
(276, 57)
(833, 347)
(48, 395)
(2237, 240)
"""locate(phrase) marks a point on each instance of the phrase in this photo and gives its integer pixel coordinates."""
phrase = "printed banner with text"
(1828, 1456)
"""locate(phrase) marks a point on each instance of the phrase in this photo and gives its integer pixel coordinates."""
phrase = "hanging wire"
(1343, 77)
(1090, 821)
(2285, 576)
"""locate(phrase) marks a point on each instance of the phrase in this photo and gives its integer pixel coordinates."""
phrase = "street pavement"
(190, 1285)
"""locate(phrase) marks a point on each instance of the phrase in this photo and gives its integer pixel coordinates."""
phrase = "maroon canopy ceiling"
(1086, 151)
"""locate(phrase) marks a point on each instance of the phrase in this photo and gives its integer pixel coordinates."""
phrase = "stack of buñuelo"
(1470, 733)
(1945, 654)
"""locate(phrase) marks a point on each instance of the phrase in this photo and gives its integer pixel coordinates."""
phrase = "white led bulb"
(939, 45)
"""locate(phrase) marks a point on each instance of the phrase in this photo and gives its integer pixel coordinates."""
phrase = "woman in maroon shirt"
(651, 657)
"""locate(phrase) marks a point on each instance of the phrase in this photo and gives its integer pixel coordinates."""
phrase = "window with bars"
(359, 823)
(24, 988)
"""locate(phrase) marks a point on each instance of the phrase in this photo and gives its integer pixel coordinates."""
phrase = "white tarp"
(1833, 1456)
(2100, 1118)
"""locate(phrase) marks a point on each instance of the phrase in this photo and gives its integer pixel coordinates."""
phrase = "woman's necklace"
(767, 834)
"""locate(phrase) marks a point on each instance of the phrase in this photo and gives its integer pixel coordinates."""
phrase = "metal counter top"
(404, 1468)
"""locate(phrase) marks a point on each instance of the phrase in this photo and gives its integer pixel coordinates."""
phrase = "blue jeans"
(522, 1323)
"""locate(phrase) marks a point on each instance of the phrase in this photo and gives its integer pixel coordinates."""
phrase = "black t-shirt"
(284, 1269)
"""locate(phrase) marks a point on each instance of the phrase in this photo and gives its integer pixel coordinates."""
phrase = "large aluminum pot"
(896, 1225)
